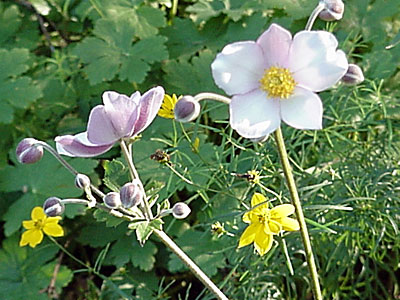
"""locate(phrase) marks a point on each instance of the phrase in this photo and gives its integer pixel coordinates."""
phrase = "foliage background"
(56, 59)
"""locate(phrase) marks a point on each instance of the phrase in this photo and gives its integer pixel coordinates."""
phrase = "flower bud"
(27, 152)
(333, 10)
(180, 210)
(353, 76)
(131, 194)
(53, 207)
(112, 200)
(82, 181)
(186, 109)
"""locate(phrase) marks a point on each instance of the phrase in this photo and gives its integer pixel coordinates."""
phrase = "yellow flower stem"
(320, 7)
(191, 265)
(299, 213)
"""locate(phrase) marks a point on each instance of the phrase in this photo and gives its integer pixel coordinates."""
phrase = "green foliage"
(52, 75)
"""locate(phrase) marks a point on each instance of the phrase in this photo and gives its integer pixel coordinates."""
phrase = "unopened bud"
(82, 181)
(53, 207)
(180, 210)
(112, 200)
(353, 76)
(186, 109)
(27, 152)
(333, 11)
(131, 194)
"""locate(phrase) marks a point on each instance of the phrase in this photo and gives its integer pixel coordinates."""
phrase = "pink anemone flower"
(120, 117)
(276, 78)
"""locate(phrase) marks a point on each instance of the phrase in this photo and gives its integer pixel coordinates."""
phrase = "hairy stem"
(190, 264)
(299, 213)
(320, 7)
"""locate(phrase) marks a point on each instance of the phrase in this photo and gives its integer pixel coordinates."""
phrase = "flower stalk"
(317, 10)
(299, 213)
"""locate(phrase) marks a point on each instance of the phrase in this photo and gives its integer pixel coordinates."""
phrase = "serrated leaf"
(24, 272)
(128, 249)
(9, 21)
(36, 183)
(116, 174)
(112, 53)
(102, 216)
(190, 77)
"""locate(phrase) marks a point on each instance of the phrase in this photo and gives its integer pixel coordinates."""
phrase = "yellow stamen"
(278, 82)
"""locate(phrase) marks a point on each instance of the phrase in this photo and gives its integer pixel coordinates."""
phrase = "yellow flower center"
(264, 216)
(278, 82)
(39, 224)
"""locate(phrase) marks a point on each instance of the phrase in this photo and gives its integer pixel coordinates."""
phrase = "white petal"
(303, 110)
(100, 129)
(79, 146)
(254, 115)
(275, 43)
(239, 67)
(314, 60)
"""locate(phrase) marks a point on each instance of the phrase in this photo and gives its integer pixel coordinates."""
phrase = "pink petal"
(79, 146)
(121, 111)
(100, 129)
(254, 115)
(275, 43)
(314, 60)
(149, 105)
(303, 110)
(239, 67)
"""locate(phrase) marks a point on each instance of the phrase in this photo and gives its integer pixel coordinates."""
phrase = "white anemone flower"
(276, 78)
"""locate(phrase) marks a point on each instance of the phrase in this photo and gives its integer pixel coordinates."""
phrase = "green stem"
(299, 213)
(320, 7)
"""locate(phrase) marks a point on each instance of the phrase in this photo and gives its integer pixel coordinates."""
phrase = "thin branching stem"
(299, 213)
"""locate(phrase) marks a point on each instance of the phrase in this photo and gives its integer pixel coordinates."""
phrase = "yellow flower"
(40, 223)
(168, 105)
(264, 223)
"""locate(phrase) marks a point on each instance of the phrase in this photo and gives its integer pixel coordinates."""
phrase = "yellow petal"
(28, 224)
(257, 199)
(249, 235)
(31, 237)
(53, 229)
(53, 219)
(38, 214)
(167, 107)
(247, 217)
(282, 211)
(263, 242)
(273, 226)
(290, 224)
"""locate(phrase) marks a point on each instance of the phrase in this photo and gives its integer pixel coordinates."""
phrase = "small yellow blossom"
(168, 105)
(40, 223)
(265, 223)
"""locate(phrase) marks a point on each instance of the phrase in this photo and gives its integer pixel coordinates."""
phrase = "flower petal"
(31, 237)
(303, 110)
(249, 235)
(275, 43)
(28, 224)
(273, 227)
(100, 129)
(121, 111)
(254, 115)
(246, 217)
(314, 60)
(38, 214)
(282, 211)
(149, 105)
(78, 145)
(53, 229)
(239, 67)
(257, 199)
(263, 242)
(289, 224)
(53, 219)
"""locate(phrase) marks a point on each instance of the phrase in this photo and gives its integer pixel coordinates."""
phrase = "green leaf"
(15, 92)
(102, 216)
(98, 235)
(112, 53)
(36, 183)
(128, 249)
(24, 272)
(116, 174)
(9, 21)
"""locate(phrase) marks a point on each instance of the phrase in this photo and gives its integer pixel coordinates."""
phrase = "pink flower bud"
(186, 109)
(180, 210)
(131, 194)
(333, 10)
(112, 200)
(53, 207)
(353, 76)
(27, 152)
(82, 181)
